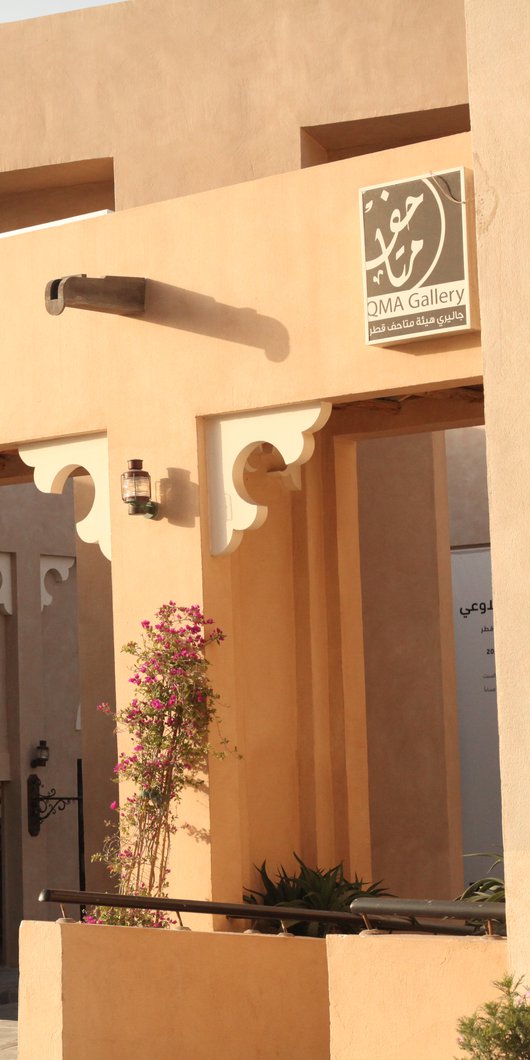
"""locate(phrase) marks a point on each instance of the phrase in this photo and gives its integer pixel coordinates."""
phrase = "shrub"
(500, 1030)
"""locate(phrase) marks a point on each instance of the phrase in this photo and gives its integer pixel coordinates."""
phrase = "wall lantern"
(41, 755)
(136, 490)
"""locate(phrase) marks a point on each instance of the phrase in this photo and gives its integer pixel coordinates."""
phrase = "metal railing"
(412, 908)
(372, 913)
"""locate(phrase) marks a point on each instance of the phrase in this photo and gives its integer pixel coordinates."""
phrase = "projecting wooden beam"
(103, 294)
(437, 410)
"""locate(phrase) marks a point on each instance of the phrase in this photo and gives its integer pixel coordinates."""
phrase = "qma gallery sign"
(415, 258)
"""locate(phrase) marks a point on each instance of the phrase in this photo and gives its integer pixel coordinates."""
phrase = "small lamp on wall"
(41, 755)
(136, 490)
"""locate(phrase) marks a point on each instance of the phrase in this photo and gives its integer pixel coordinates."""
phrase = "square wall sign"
(415, 258)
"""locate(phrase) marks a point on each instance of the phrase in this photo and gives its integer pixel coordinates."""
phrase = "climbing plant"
(168, 721)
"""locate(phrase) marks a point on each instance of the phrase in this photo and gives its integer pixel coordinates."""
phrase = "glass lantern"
(136, 490)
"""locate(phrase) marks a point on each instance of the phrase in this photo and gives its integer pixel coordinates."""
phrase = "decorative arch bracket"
(59, 566)
(55, 461)
(230, 440)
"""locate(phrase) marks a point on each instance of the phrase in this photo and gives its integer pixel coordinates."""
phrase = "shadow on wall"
(179, 497)
(175, 307)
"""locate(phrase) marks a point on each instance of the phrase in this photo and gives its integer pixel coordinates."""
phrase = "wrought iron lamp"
(136, 490)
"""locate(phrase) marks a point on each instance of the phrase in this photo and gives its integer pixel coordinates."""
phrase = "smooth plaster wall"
(44, 204)
(187, 97)
(467, 485)
(398, 997)
(40, 1011)
(499, 66)
(411, 711)
(241, 288)
(340, 679)
(390, 997)
(127, 993)
(97, 685)
(42, 698)
(53, 665)
(295, 788)
(200, 350)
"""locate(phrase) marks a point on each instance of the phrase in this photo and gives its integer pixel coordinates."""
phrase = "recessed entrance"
(341, 612)
(56, 665)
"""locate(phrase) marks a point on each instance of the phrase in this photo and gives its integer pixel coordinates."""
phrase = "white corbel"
(60, 567)
(55, 461)
(229, 442)
(6, 584)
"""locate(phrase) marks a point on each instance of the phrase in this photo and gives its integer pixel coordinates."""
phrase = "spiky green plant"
(311, 889)
(488, 888)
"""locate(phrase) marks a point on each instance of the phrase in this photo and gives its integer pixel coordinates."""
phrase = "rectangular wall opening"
(347, 139)
(43, 194)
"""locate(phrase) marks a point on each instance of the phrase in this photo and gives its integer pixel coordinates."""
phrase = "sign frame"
(421, 310)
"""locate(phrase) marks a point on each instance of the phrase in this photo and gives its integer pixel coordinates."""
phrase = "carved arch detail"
(60, 567)
(54, 462)
(230, 440)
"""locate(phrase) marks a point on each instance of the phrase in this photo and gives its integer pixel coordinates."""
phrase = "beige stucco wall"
(411, 708)
(40, 1026)
(253, 291)
(41, 700)
(500, 83)
(132, 992)
(343, 673)
(96, 685)
(467, 486)
(207, 258)
(398, 997)
(56, 664)
(186, 99)
(240, 289)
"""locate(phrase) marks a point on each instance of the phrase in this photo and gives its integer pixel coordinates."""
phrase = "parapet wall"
(131, 992)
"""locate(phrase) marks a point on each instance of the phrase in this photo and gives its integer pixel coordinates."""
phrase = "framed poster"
(477, 708)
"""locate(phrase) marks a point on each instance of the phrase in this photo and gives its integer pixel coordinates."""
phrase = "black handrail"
(428, 908)
(244, 911)
(254, 912)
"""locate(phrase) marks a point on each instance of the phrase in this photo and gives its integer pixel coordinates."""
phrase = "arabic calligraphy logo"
(404, 232)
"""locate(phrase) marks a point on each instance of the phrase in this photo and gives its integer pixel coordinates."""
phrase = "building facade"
(301, 470)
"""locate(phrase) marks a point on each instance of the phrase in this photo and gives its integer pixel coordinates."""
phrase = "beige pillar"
(96, 679)
(412, 730)
(499, 81)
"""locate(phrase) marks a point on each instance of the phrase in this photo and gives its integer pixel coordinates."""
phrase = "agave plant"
(488, 888)
(311, 889)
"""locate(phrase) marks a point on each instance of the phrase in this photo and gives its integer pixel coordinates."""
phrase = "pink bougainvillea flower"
(167, 724)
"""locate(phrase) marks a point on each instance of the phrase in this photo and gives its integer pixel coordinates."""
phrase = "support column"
(409, 668)
(498, 56)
